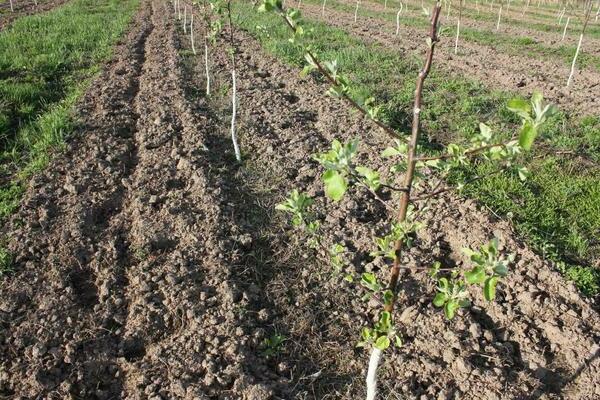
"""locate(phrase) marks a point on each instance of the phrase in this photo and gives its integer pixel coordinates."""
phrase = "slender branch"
(358, 179)
(471, 152)
(435, 192)
(391, 132)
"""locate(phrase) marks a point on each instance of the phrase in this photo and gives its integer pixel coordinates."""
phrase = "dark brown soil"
(483, 63)
(150, 265)
(24, 7)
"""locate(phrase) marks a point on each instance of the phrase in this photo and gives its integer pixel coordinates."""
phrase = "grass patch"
(46, 63)
(557, 211)
(518, 46)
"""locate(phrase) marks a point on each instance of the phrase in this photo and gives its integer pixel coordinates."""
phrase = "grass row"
(549, 25)
(46, 62)
(518, 46)
(557, 210)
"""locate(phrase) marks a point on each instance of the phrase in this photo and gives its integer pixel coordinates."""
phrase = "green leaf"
(398, 341)
(385, 322)
(283, 207)
(527, 135)
(520, 107)
(450, 308)
(388, 297)
(523, 173)
(475, 276)
(369, 280)
(440, 299)
(335, 185)
(371, 177)
(390, 152)
(485, 130)
(444, 284)
(501, 270)
(382, 343)
(489, 289)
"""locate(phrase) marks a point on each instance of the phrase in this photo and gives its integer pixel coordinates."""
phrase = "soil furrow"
(182, 335)
(63, 299)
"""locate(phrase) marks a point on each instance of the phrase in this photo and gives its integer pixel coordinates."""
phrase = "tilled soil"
(484, 63)
(25, 7)
(126, 257)
(150, 265)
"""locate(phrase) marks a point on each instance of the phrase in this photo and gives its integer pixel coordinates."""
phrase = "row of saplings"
(422, 177)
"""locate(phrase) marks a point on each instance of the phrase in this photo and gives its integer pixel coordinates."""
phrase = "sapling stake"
(588, 13)
(184, 18)
(565, 30)
(499, 15)
(192, 32)
(178, 10)
(356, 11)
(405, 195)
(460, 6)
(560, 17)
(323, 9)
(12, 9)
(236, 147)
(398, 20)
(526, 7)
(206, 69)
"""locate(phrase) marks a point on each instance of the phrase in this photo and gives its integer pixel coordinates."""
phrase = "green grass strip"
(46, 63)
(557, 210)
(517, 46)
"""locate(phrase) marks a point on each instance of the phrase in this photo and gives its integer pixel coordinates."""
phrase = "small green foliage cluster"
(381, 335)
(272, 344)
(404, 231)
(488, 267)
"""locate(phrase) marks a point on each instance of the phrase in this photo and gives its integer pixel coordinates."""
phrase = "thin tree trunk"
(12, 9)
(376, 354)
(356, 11)
(323, 9)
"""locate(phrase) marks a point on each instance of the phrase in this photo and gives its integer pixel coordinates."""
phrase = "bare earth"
(150, 265)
